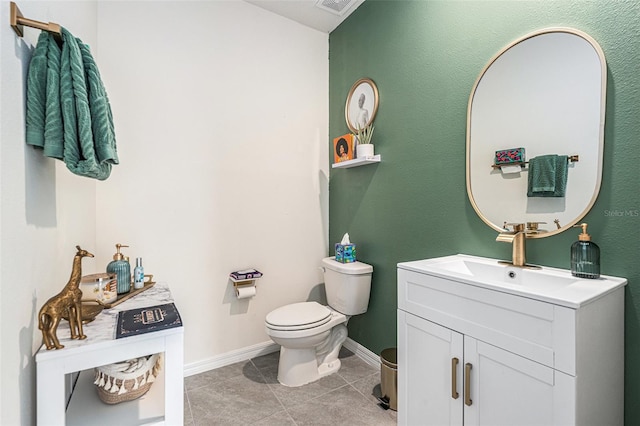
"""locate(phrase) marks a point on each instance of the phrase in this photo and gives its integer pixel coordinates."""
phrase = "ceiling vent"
(337, 7)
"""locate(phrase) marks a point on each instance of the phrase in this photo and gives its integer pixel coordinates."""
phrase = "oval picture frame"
(362, 104)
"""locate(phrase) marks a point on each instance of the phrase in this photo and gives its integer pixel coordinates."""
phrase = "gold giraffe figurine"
(67, 301)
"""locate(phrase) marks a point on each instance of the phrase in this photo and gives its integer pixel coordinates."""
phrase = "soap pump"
(585, 256)
(122, 269)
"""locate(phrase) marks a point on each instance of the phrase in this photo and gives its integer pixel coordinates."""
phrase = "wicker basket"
(127, 380)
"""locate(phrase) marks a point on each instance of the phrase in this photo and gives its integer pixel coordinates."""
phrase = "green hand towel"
(89, 139)
(547, 176)
(44, 116)
(68, 112)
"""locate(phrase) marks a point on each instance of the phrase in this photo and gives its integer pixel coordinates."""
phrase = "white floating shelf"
(357, 162)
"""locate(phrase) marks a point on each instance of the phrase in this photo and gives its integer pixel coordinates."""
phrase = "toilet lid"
(298, 316)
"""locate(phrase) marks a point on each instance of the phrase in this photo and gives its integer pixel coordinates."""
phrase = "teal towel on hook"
(68, 112)
(44, 115)
(547, 176)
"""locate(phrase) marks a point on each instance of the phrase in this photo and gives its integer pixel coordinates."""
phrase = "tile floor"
(248, 393)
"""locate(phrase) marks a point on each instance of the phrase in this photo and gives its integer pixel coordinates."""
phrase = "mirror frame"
(603, 88)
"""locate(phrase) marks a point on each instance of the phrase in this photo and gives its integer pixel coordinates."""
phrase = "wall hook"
(18, 21)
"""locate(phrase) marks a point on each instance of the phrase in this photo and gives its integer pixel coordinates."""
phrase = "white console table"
(100, 348)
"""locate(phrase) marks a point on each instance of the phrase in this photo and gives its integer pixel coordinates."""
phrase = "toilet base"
(299, 367)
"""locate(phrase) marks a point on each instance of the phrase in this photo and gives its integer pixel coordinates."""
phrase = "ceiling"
(322, 15)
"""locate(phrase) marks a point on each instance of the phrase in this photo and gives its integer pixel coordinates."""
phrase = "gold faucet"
(517, 240)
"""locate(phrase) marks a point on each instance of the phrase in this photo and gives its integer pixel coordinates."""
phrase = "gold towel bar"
(17, 21)
(571, 158)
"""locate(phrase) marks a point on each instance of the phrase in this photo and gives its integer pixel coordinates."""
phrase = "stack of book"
(245, 274)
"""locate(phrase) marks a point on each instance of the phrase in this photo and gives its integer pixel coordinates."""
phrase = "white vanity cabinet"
(441, 368)
(477, 354)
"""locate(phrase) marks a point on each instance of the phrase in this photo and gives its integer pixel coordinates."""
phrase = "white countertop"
(547, 284)
(102, 330)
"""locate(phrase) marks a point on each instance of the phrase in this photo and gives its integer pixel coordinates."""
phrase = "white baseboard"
(363, 353)
(265, 348)
(229, 358)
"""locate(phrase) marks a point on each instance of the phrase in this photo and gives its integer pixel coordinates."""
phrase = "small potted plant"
(364, 135)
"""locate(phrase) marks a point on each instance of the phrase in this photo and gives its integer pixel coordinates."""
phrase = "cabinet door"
(428, 379)
(507, 389)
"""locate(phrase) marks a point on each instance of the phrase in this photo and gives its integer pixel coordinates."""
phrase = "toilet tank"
(347, 285)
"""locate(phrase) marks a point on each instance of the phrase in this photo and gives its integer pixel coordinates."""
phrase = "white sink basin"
(546, 284)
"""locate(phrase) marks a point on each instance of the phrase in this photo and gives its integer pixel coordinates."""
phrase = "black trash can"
(389, 378)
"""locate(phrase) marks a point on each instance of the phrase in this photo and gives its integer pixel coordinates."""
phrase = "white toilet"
(310, 334)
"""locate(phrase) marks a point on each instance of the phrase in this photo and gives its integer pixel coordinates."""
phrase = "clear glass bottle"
(138, 274)
(585, 256)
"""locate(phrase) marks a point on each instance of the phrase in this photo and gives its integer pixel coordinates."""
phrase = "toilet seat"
(298, 316)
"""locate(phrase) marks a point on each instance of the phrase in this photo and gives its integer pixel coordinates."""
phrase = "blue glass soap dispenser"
(585, 256)
(122, 269)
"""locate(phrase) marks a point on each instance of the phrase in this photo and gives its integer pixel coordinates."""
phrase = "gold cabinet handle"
(467, 384)
(454, 378)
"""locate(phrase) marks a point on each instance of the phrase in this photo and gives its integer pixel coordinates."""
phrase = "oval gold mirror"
(545, 93)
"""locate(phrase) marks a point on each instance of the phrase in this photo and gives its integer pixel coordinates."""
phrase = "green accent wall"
(425, 57)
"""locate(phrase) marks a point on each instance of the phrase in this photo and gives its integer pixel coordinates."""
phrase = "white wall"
(221, 113)
(45, 211)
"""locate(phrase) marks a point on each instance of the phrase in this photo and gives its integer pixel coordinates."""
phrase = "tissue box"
(512, 155)
(345, 253)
